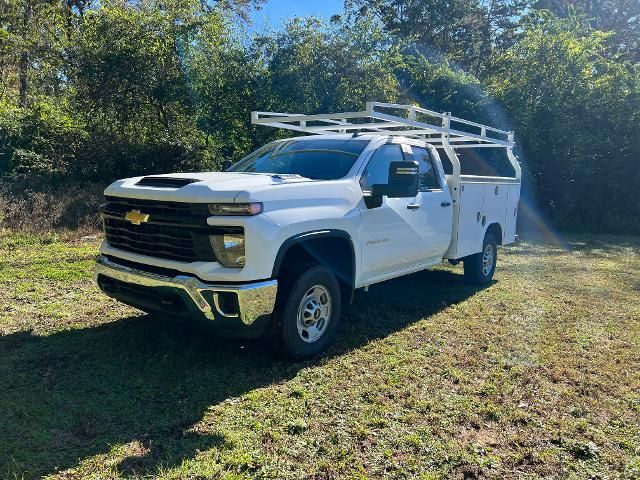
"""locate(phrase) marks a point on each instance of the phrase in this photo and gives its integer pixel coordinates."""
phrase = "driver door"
(390, 239)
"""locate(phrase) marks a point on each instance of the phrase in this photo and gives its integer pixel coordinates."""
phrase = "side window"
(377, 171)
(447, 166)
(428, 173)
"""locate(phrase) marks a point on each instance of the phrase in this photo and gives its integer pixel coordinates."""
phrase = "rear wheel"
(480, 267)
(307, 311)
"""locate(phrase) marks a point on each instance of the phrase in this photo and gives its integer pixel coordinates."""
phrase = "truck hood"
(204, 187)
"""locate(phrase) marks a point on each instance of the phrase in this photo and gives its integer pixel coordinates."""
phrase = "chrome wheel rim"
(488, 256)
(314, 314)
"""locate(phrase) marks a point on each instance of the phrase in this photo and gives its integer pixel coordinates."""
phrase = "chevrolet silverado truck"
(278, 242)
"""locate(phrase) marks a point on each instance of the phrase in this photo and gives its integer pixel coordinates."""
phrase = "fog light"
(229, 249)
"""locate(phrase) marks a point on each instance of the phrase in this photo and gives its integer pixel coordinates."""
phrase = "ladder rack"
(439, 129)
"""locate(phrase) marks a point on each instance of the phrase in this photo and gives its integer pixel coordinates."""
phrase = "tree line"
(93, 91)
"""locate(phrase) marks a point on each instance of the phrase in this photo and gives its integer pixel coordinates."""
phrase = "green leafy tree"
(310, 67)
(313, 68)
(619, 16)
(131, 79)
(32, 46)
(222, 81)
(575, 110)
(463, 31)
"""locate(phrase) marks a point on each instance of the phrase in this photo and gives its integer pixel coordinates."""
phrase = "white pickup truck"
(279, 241)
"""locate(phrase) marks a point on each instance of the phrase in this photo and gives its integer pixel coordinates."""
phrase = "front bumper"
(245, 307)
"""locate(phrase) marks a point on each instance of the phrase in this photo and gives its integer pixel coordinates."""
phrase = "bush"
(33, 205)
(43, 139)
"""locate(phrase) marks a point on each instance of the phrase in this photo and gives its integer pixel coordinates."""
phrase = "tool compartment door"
(495, 205)
(512, 214)
(470, 228)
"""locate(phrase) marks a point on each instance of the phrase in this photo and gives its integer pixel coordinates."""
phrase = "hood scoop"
(166, 182)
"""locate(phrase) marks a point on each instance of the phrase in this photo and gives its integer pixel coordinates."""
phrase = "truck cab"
(279, 242)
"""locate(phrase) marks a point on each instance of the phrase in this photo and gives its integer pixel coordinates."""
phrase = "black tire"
(296, 283)
(474, 265)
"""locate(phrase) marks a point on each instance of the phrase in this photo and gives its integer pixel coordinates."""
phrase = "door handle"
(445, 204)
(413, 206)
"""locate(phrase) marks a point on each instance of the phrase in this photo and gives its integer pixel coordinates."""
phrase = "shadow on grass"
(78, 393)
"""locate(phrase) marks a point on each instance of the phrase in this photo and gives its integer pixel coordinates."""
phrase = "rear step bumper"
(235, 305)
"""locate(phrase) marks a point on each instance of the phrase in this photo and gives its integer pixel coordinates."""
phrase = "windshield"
(318, 159)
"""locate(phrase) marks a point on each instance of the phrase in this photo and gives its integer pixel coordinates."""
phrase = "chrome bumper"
(255, 299)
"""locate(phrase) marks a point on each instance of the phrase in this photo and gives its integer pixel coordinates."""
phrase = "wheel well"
(333, 250)
(496, 230)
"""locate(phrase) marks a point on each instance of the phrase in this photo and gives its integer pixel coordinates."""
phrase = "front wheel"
(480, 267)
(307, 312)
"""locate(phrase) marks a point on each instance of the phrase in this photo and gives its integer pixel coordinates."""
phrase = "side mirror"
(226, 165)
(403, 181)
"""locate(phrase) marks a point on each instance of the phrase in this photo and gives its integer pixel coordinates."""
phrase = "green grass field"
(536, 376)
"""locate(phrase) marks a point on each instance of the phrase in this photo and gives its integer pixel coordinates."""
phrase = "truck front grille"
(173, 230)
(169, 242)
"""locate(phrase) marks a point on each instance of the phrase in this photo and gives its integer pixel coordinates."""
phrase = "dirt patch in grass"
(536, 376)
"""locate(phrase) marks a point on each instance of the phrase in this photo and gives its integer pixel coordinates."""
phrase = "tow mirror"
(226, 165)
(403, 181)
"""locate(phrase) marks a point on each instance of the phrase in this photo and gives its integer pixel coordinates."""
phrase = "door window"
(429, 177)
(377, 171)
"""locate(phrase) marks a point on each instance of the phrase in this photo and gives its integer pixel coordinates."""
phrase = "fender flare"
(494, 225)
(313, 235)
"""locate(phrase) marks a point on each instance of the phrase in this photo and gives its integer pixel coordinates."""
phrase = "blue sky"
(274, 12)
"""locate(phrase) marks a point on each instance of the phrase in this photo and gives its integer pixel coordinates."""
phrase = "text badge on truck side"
(280, 240)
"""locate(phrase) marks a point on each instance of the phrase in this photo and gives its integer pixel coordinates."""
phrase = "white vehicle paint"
(447, 217)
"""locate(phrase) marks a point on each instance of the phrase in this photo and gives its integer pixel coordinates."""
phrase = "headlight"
(253, 208)
(229, 249)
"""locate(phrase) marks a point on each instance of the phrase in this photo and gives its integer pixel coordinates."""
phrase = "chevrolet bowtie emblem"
(135, 217)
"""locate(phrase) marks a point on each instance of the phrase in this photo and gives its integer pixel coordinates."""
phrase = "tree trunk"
(23, 67)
